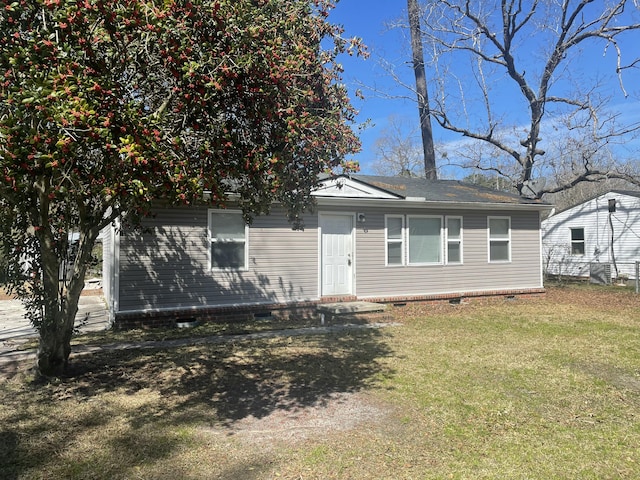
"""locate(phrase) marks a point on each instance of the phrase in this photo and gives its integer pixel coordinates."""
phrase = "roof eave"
(414, 202)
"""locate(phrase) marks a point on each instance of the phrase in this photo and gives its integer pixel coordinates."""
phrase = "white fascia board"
(415, 203)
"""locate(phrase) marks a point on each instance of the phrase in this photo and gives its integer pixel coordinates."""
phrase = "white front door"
(336, 261)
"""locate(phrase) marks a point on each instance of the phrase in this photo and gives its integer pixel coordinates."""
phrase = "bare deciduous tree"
(540, 54)
(397, 152)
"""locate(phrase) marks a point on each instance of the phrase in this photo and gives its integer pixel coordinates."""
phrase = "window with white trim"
(499, 239)
(454, 239)
(394, 234)
(577, 241)
(228, 235)
(425, 239)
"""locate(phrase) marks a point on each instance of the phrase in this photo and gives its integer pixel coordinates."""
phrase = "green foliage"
(108, 106)
(129, 101)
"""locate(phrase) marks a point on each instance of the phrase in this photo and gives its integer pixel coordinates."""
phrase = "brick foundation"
(301, 310)
(448, 297)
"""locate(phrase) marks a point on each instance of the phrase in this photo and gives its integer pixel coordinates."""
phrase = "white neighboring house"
(599, 237)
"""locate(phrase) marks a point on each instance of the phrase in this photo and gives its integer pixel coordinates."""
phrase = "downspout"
(596, 253)
(115, 302)
(612, 208)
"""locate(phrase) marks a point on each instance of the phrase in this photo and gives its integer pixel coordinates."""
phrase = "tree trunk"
(56, 328)
(59, 301)
(430, 170)
(54, 348)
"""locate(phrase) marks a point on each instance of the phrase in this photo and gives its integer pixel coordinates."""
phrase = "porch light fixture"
(361, 217)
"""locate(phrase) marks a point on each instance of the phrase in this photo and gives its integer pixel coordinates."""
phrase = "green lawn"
(527, 388)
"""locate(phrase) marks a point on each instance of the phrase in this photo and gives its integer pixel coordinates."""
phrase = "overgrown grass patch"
(539, 388)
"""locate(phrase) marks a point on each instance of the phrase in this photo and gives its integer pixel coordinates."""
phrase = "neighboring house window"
(228, 235)
(394, 228)
(577, 241)
(454, 239)
(425, 240)
(499, 239)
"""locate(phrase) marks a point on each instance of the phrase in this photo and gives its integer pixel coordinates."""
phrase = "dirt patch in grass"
(338, 413)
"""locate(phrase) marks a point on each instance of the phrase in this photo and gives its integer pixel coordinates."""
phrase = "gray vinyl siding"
(476, 274)
(168, 267)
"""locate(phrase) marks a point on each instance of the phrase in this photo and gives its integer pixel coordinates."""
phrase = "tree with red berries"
(108, 106)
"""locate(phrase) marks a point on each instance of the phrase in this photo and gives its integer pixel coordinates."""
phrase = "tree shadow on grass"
(243, 377)
(208, 385)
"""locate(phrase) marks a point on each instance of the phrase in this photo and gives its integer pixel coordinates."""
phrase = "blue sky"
(368, 19)
(371, 20)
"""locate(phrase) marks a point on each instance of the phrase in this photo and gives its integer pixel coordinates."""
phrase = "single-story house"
(385, 239)
(599, 237)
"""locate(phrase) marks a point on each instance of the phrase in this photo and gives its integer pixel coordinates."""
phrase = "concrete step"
(349, 308)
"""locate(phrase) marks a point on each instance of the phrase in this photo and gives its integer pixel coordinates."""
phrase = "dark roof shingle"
(453, 191)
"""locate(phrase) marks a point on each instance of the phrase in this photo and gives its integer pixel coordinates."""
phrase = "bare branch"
(496, 43)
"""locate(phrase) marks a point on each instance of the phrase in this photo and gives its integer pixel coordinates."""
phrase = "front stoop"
(355, 312)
